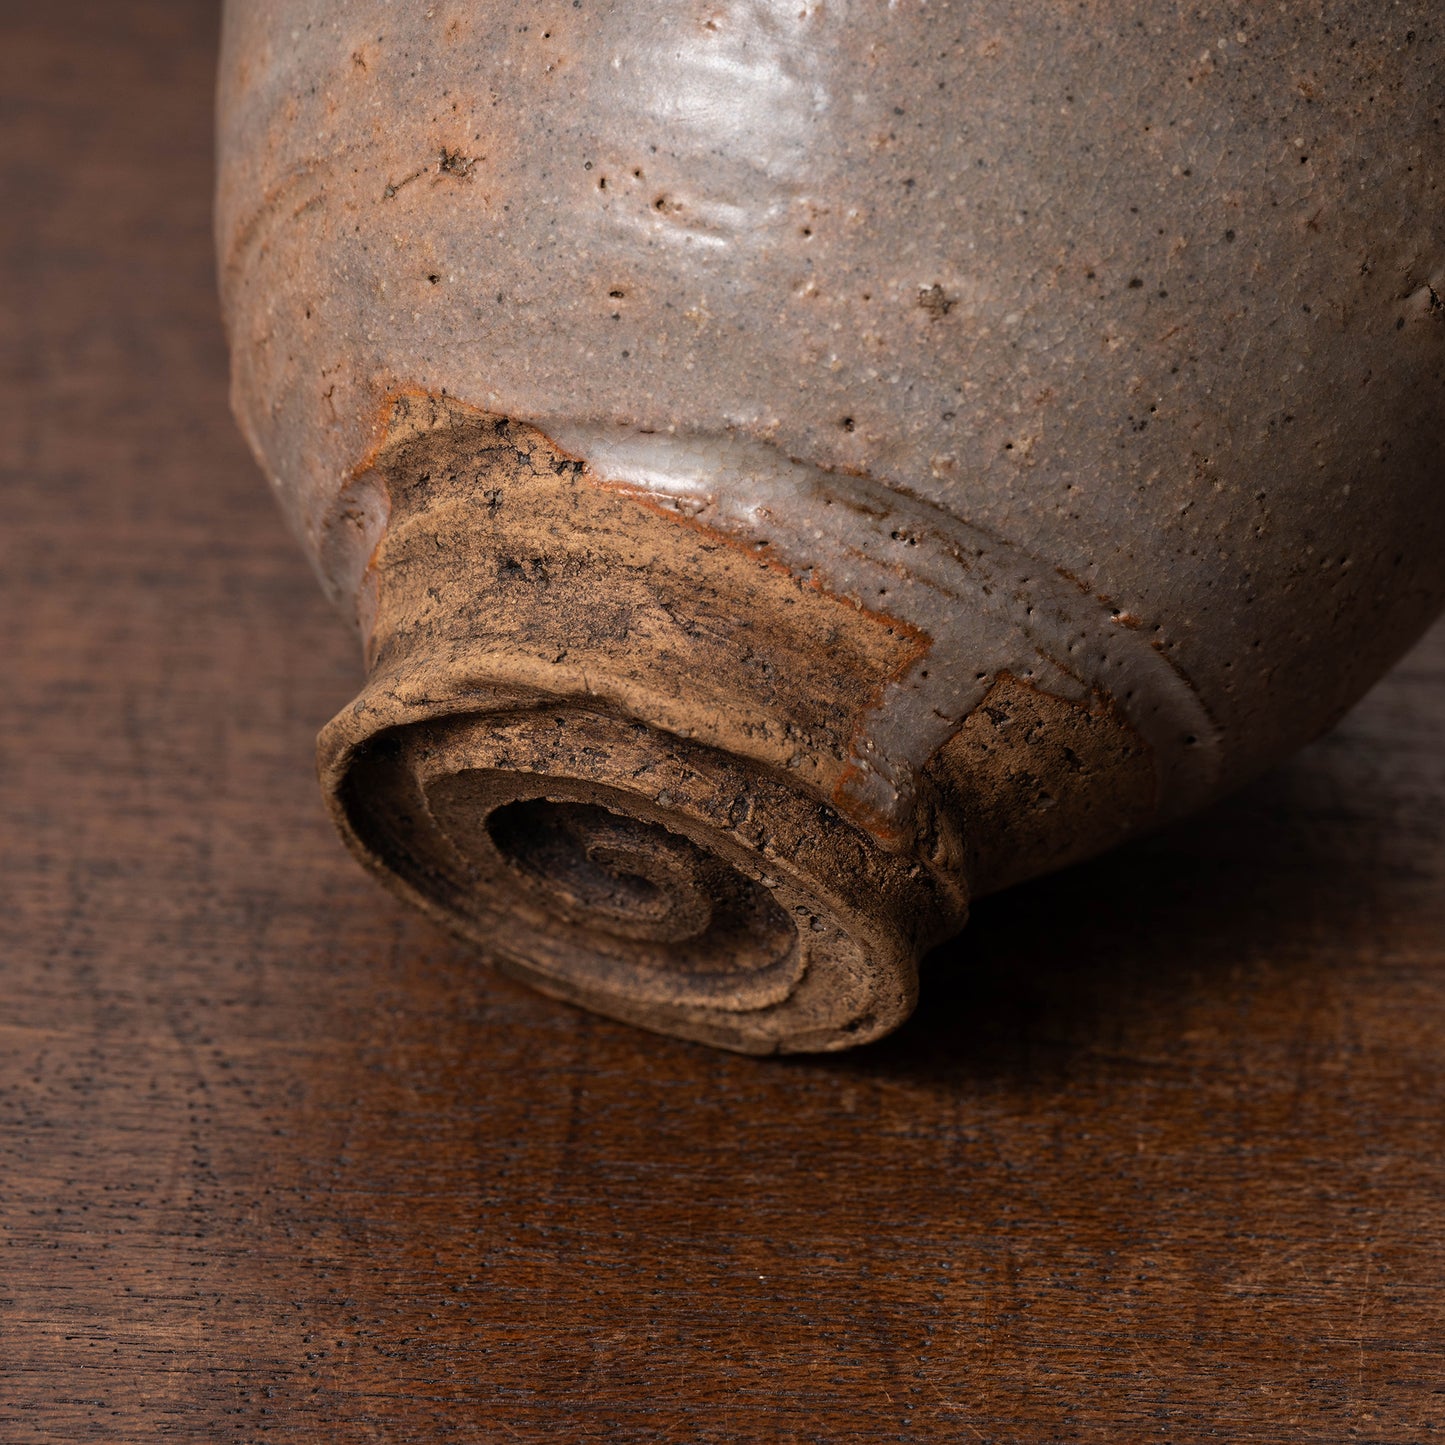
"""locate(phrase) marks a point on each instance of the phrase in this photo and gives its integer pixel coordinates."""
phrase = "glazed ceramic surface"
(797, 466)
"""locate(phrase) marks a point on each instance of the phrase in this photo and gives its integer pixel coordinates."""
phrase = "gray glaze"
(1101, 344)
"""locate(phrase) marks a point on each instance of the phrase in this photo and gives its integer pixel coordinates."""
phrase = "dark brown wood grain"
(1162, 1156)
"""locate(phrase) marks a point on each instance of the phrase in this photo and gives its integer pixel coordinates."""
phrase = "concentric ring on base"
(636, 873)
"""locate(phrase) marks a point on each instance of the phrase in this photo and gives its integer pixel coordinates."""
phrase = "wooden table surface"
(1162, 1157)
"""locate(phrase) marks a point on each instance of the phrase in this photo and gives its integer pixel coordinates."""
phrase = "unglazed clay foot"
(796, 467)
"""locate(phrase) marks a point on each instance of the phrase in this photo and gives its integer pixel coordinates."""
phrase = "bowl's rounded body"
(796, 466)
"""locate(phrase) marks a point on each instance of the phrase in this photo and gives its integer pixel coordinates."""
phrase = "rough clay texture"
(594, 657)
(991, 429)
